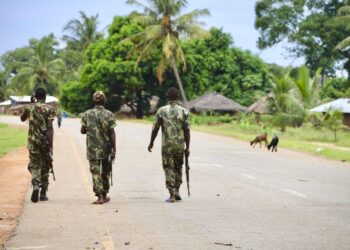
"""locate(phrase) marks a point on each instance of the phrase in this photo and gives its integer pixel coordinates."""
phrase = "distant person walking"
(175, 124)
(98, 125)
(40, 142)
(59, 120)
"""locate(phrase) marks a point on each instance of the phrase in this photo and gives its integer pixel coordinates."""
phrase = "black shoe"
(43, 196)
(178, 197)
(35, 194)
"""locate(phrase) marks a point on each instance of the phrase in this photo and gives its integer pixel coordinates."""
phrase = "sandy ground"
(14, 181)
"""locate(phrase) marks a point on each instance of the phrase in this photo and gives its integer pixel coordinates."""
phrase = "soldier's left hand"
(113, 154)
(150, 146)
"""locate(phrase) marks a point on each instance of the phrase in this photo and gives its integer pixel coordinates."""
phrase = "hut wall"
(346, 119)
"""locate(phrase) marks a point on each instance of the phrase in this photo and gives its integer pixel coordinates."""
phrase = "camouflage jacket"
(98, 122)
(38, 115)
(174, 120)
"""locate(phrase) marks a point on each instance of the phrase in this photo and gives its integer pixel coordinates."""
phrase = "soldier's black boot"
(35, 193)
(43, 196)
(105, 198)
(177, 195)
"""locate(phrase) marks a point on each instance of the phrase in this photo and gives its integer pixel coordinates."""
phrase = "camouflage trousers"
(101, 172)
(39, 168)
(172, 165)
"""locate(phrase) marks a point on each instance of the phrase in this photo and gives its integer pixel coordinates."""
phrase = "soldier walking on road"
(40, 142)
(98, 125)
(175, 124)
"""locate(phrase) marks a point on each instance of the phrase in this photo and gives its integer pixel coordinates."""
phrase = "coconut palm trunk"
(178, 79)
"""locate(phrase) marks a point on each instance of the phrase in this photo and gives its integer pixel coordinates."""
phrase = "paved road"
(248, 197)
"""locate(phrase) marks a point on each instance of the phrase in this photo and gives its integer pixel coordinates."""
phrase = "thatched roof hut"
(260, 106)
(214, 102)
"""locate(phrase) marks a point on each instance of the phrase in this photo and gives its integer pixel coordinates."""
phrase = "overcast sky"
(21, 20)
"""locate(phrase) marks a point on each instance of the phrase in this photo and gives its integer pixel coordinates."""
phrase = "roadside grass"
(11, 138)
(318, 142)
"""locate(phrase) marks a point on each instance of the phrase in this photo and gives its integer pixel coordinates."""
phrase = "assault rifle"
(50, 160)
(187, 174)
(111, 160)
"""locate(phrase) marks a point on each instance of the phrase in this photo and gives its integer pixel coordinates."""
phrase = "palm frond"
(344, 44)
(146, 9)
(191, 16)
(180, 55)
(168, 47)
(143, 20)
(161, 67)
(343, 20)
(344, 10)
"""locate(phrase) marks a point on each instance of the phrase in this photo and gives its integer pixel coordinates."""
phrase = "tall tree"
(40, 69)
(164, 26)
(109, 68)
(82, 32)
(309, 26)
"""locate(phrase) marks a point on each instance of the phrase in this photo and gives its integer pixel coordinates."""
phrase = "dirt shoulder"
(14, 182)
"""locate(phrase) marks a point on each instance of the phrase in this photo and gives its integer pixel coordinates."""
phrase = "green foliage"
(335, 88)
(34, 66)
(11, 138)
(310, 26)
(72, 98)
(164, 24)
(284, 120)
(83, 32)
(109, 68)
(344, 19)
(307, 89)
(214, 65)
(213, 119)
(2, 86)
(334, 121)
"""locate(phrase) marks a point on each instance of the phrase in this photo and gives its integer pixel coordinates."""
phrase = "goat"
(259, 139)
(273, 143)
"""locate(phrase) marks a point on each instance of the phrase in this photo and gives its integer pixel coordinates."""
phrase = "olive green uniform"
(39, 115)
(174, 120)
(98, 122)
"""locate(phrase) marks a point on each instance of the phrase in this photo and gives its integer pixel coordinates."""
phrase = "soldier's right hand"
(150, 146)
(187, 152)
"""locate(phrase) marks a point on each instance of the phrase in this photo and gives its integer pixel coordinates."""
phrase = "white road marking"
(248, 176)
(207, 165)
(294, 192)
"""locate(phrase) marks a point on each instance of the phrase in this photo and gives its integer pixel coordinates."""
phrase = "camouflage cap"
(99, 96)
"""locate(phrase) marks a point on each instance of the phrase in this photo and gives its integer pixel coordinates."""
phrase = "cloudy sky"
(24, 19)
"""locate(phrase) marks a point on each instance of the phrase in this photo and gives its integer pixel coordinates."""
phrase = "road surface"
(250, 198)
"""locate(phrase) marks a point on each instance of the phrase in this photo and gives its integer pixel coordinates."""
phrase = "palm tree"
(286, 108)
(164, 26)
(306, 87)
(83, 32)
(344, 18)
(41, 70)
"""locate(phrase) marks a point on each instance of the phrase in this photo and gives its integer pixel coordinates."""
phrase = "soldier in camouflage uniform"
(98, 125)
(40, 141)
(175, 124)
